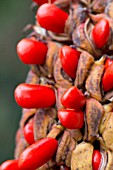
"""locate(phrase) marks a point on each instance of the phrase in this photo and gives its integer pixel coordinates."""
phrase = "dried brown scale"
(110, 160)
(50, 57)
(21, 145)
(109, 9)
(76, 134)
(94, 114)
(85, 62)
(62, 3)
(80, 40)
(78, 15)
(93, 82)
(43, 120)
(60, 81)
(84, 152)
(99, 6)
(60, 92)
(108, 132)
(26, 115)
(65, 148)
(104, 122)
(32, 78)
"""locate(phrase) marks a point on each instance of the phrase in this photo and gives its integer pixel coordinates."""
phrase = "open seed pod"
(77, 123)
(86, 152)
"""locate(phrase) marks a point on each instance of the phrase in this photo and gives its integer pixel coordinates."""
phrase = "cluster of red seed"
(32, 51)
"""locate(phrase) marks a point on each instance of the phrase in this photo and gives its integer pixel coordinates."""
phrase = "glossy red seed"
(40, 2)
(108, 63)
(38, 154)
(51, 18)
(29, 133)
(69, 60)
(71, 119)
(34, 96)
(31, 51)
(9, 165)
(73, 98)
(107, 79)
(100, 33)
(96, 159)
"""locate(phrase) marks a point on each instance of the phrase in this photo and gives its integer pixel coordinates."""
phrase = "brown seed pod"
(108, 131)
(26, 115)
(60, 92)
(85, 62)
(59, 76)
(63, 152)
(99, 6)
(32, 78)
(43, 120)
(94, 114)
(93, 82)
(52, 53)
(21, 145)
(62, 3)
(109, 9)
(80, 39)
(78, 15)
(83, 152)
(107, 110)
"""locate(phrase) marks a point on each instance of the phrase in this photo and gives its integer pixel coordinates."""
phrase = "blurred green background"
(14, 15)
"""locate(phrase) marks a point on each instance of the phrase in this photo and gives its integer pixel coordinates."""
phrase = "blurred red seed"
(73, 98)
(71, 119)
(29, 133)
(34, 96)
(96, 159)
(107, 79)
(38, 154)
(40, 2)
(31, 51)
(108, 62)
(69, 60)
(100, 33)
(51, 18)
(9, 165)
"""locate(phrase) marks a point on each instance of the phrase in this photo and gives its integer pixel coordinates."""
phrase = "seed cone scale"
(82, 133)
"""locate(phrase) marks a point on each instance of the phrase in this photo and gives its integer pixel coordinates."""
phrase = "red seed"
(40, 2)
(31, 51)
(107, 79)
(38, 154)
(69, 60)
(34, 96)
(51, 18)
(73, 98)
(71, 119)
(108, 62)
(28, 132)
(96, 159)
(100, 33)
(9, 165)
